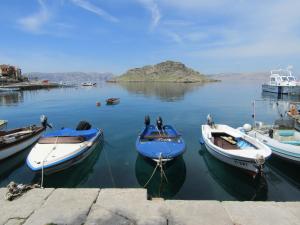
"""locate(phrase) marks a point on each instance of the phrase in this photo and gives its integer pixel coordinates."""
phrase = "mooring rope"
(159, 163)
(109, 168)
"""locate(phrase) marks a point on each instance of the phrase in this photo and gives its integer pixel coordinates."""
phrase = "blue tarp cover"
(153, 148)
(68, 132)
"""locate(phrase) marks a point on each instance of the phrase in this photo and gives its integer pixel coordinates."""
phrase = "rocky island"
(168, 71)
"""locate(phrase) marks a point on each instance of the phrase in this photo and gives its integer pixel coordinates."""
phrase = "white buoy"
(247, 127)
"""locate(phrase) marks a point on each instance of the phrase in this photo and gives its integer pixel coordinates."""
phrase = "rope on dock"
(16, 190)
(109, 169)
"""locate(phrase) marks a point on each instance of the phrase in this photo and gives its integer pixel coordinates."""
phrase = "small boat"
(88, 84)
(112, 101)
(234, 147)
(160, 142)
(16, 140)
(2, 123)
(282, 138)
(4, 89)
(63, 148)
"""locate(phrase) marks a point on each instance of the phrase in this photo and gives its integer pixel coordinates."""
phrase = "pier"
(131, 206)
(35, 85)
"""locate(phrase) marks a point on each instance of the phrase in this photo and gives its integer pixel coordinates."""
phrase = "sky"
(211, 36)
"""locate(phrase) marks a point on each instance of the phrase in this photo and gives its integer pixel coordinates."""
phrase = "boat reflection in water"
(289, 171)
(276, 96)
(158, 186)
(234, 181)
(12, 163)
(11, 98)
(169, 92)
(75, 175)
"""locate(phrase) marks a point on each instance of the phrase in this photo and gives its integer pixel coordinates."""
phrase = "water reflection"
(234, 181)
(158, 187)
(11, 98)
(164, 91)
(287, 170)
(12, 163)
(275, 97)
(75, 175)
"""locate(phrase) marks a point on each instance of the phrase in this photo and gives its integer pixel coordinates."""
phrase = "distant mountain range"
(249, 77)
(70, 77)
(168, 71)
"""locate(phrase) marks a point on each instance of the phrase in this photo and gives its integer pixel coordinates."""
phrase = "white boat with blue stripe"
(234, 147)
(63, 148)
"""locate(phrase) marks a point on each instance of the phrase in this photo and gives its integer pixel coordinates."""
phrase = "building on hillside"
(10, 72)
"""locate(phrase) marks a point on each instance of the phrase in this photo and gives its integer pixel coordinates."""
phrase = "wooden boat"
(160, 142)
(63, 148)
(112, 101)
(2, 123)
(234, 147)
(16, 140)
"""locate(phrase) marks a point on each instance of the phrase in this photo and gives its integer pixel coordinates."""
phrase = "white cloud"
(152, 6)
(94, 9)
(34, 22)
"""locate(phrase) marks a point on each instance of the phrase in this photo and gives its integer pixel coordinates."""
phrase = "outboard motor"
(147, 120)
(44, 121)
(83, 125)
(159, 123)
(210, 121)
(271, 133)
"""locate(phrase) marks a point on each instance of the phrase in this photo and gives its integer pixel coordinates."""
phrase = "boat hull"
(15, 148)
(294, 90)
(246, 163)
(69, 161)
(286, 152)
(241, 164)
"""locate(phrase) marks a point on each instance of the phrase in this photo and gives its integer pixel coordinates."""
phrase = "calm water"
(115, 162)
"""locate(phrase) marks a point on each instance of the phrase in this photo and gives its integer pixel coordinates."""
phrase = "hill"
(168, 71)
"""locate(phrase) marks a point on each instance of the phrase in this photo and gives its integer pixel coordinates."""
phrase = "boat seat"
(61, 140)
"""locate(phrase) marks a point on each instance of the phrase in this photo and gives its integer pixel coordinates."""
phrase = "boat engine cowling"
(44, 121)
(83, 125)
(159, 123)
(147, 120)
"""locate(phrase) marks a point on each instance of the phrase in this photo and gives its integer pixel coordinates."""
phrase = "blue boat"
(160, 142)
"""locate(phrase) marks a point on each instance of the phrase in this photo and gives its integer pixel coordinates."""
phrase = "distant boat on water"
(112, 101)
(88, 84)
(282, 82)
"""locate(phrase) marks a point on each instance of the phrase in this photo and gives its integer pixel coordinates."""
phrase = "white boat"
(16, 140)
(234, 147)
(63, 148)
(88, 84)
(5, 89)
(284, 141)
(282, 82)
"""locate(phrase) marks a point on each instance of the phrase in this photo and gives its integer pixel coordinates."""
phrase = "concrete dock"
(130, 206)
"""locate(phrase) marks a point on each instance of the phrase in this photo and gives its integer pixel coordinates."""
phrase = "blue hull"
(167, 144)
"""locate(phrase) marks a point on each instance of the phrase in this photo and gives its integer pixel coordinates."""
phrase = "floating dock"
(131, 206)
